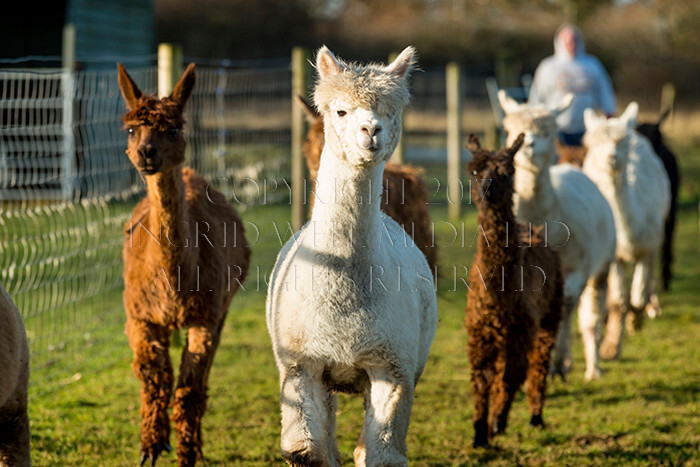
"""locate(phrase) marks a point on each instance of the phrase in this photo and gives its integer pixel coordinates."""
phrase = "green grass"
(644, 411)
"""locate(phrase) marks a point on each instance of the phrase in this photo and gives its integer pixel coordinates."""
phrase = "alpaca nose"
(371, 129)
(148, 152)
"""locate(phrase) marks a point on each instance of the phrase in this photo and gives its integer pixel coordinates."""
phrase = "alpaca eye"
(131, 130)
(474, 172)
(342, 113)
(172, 132)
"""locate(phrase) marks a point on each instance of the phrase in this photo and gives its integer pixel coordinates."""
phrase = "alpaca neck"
(166, 197)
(622, 204)
(534, 195)
(346, 217)
(497, 244)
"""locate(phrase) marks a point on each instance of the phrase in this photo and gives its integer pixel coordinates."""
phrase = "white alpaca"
(635, 183)
(351, 305)
(578, 220)
(14, 367)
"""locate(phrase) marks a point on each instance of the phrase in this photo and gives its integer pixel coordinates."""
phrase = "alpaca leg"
(304, 400)
(331, 441)
(482, 377)
(190, 399)
(388, 416)
(519, 344)
(562, 361)
(573, 287)
(611, 345)
(590, 310)
(360, 453)
(14, 432)
(539, 359)
(642, 296)
(151, 365)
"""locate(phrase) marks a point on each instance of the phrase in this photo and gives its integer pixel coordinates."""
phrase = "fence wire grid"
(67, 188)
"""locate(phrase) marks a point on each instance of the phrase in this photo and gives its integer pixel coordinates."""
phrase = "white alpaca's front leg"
(562, 361)
(611, 346)
(305, 403)
(387, 416)
(590, 310)
(641, 292)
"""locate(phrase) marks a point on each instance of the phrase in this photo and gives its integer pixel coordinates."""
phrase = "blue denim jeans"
(571, 139)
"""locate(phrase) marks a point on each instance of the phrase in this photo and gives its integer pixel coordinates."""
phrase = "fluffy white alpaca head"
(539, 127)
(362, 104)
(608, 139)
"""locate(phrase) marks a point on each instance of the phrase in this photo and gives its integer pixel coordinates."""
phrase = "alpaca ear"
(473, 142)
(404, 63)
(590, 119)
(629, 117)
(309, 110)
(515, 147)
(508, 104)
(326, 63)
(563, 105)
(130, 91)
(183, 88)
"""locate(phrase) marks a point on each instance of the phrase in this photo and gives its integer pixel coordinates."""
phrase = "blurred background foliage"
(642, 43)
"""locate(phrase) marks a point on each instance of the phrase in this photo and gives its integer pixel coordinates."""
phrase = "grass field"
(644, 411)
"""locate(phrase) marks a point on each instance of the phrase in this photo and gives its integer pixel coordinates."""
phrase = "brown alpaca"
(14, 365)
(185, 256)
(515, 299)
(405, 196)
(573, 155)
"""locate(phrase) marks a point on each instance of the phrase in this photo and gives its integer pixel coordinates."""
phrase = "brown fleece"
(513, 311)
(14, 365)
(573, 155)
(405, 195)
(185, 256)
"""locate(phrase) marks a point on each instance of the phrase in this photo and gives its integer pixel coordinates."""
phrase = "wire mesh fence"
(67, 189)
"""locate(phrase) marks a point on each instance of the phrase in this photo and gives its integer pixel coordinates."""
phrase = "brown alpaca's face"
(156, 144)
(153, 151)
(491, 177)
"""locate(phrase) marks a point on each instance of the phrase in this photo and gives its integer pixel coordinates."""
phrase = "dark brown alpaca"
(185, 257)
(14, 367)
(405, 196)
(652, 131)
(515, 299)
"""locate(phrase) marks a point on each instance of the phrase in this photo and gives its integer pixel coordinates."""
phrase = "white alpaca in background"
(579, 224)
(635, 183)
(351, 305)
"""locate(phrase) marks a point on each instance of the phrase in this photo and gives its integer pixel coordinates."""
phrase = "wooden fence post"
(455, 189)
(68, 91)
(399, 153)
(298, 185)
(169, 68)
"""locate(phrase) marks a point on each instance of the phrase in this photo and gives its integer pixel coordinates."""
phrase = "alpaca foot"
(593, 374)
(609, 350)
(653, 308)
(537, 422)
(634, 321)
(561, 367)
(299, 459)
(480, 442)
(498, 428)
(154, 451)
(481, 434)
